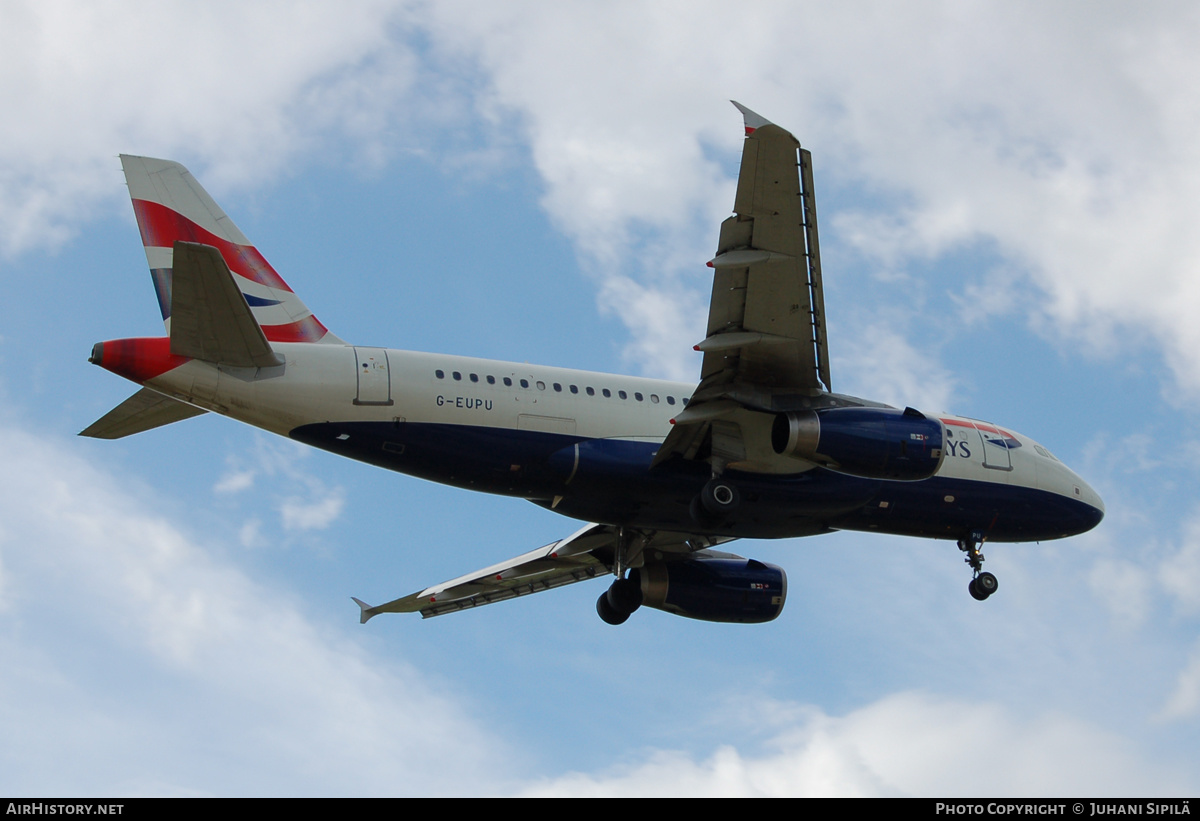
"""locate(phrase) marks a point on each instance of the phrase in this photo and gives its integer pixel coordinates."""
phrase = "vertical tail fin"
(171, 206)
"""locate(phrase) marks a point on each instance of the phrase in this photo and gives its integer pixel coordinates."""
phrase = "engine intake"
(875, 443)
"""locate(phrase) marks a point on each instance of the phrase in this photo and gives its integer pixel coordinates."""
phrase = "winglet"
(753, 121)
(367, 610)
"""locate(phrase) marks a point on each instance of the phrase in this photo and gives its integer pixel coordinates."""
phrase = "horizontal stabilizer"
(367, 610)
(210, 319)
(145, 410)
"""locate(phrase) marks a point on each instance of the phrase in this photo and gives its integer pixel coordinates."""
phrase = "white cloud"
(657, 320)
(1062, 137)
(1179, 573)
(234, 481)
(879, 363)
(303, 500)
(1184, 701)
(241, 87)
(1124, 588)
(313, 512)
(249, 535)
(138, 660)
(905, 744)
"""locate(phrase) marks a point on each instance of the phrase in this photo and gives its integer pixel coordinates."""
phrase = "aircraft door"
(995, 447)
(374, 377)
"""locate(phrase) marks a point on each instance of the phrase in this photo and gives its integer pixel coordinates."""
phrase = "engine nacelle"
(875, 443)
(725, 590)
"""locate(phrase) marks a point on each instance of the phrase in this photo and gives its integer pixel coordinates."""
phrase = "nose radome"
(1092, 499)
(1089, 495)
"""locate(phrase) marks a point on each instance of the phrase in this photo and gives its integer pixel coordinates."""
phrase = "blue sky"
(1007, 198)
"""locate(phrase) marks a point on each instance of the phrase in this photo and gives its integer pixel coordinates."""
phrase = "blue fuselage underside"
(610, 481)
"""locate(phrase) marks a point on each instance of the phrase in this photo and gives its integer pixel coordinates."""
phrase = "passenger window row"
(557, 387)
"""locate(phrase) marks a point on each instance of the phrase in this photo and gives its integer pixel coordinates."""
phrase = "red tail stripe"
(162, 227)
(308, 329)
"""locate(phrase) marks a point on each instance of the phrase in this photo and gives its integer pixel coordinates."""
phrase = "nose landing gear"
(983, 584)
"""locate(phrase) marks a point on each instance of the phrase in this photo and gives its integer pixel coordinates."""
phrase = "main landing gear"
(617, 603)
(983, 584)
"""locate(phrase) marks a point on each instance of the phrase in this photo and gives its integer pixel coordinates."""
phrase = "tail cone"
(136, 359)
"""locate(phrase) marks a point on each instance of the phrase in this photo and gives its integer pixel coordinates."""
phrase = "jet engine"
(712, 589)
(874, 443)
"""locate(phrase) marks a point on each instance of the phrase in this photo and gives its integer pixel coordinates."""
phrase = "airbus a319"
(664, 473)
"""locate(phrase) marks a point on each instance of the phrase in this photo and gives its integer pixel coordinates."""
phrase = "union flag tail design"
(171, 206)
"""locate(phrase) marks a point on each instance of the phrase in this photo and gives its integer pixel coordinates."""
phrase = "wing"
(586, 554)
(766, 346)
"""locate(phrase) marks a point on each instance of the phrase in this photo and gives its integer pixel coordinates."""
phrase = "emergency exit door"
(374, 377)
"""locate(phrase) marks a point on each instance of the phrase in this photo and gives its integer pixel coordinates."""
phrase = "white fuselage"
(375, 387)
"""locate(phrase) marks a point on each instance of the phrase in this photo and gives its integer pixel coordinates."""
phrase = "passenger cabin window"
(507, 382)
(670, 400)
(607, 393)
(557, 388)
(524, 383)
(491, 379)
(622, 394)
(457, 376)
(637, 396)
(591, 391)
(654, 398)
(474, 377)
(541, 385)
(574, 389)
(440, 374)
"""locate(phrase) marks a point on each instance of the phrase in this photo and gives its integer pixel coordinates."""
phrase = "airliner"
(664, 474)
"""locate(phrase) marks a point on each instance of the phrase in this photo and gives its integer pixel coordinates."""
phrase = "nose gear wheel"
(983, 584)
